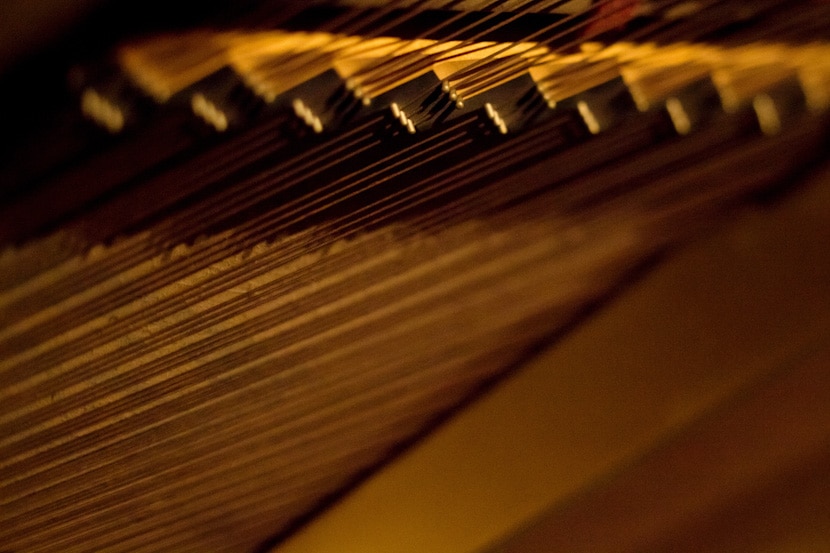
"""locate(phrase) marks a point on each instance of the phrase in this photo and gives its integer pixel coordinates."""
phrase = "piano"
(418, 275)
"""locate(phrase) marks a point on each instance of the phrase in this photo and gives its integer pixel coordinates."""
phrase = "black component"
(226, 91)
(321, 103)
(695, 105)
(603, 106)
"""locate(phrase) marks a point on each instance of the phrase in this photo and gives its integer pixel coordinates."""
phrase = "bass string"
(140, 250)
(392, 65)
(529, 40)
(367, 27)
(486, 80)
(272, 230)
(386, 77)
(386, 66)
(131, 251)
(516, 60)
(477, 78)
(202, 257)
(248, 275)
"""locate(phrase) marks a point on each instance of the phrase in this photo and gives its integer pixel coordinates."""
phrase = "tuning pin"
(221, 101)
(208, 112)
(102, 110)
(510, 105)
(108, 98)
(323, 102)
(307, 116)
(779, 105)
(426, 111)
(692, 105)
(603, 106)
(495, 118)
(400, 116)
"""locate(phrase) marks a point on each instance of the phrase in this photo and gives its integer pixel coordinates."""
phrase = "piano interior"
(456, 276)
